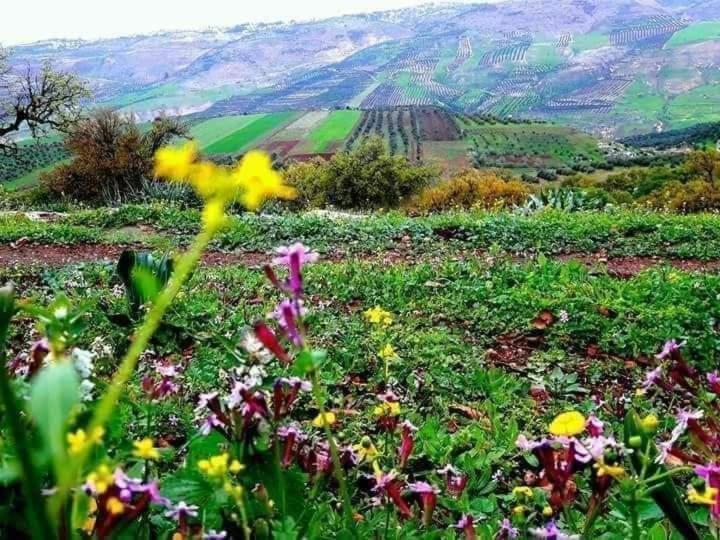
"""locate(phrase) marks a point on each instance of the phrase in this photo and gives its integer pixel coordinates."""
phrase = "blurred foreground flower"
(251, 182)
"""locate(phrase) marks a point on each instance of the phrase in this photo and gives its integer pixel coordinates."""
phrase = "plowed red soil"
(28, 254)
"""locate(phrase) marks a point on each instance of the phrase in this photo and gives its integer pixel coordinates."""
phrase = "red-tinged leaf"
(544, 320)
(270, 341)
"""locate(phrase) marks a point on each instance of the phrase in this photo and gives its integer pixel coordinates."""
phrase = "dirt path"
(32, 255)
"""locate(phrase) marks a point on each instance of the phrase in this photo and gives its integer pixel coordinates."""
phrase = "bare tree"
(40, 99)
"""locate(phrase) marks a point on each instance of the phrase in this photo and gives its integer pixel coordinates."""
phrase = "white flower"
(83, 362)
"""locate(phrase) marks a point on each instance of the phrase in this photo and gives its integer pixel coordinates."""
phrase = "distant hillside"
(614, 67)
(700, 134)
(450, 140)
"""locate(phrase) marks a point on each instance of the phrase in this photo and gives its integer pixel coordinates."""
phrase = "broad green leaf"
(53, 395)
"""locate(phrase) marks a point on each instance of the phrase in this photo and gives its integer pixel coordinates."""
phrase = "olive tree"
(38, 99)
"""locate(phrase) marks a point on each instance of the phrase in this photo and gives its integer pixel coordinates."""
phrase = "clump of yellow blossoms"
(101, 479)
(388, 353)
(603, 469)
(145, 449)
(366, 450)
(379, 316)
(568, 424)
(324, 419)
(251, 182)
(78, 441)
(217, 467)
(387, 408)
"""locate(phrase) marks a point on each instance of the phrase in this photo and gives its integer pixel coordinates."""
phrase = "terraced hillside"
(615, 67)
(429, 134)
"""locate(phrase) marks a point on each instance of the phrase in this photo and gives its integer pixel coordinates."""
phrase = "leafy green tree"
(705, 163)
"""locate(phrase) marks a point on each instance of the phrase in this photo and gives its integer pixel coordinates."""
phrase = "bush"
(365, 178)
(471, 189)
(112, 158)
(695, 196)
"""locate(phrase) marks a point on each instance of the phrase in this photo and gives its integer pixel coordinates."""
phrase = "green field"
(586, 42)
(334, 128)
(211, 131)
(254, 131)
(701, 102)
(695, 33)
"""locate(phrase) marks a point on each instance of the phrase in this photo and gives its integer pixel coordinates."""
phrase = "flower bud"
(635, 441)
(649, 424)
(611, 455)
(699, 484)
(7, 305)
(547, 512)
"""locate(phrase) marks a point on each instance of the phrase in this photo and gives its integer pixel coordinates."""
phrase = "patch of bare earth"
(26, 253)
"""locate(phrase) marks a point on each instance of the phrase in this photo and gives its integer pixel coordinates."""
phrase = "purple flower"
(182, 510)
(652, 377)
(304, 254)
(551, 532)
(212, 534)
(669, 348)
(211, 421)
(507, 530)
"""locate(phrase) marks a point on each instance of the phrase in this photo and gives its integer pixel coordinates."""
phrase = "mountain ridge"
(616, 68)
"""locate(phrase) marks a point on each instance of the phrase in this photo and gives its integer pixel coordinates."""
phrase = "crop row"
(509, 53)
(464, 52)
(660, 25)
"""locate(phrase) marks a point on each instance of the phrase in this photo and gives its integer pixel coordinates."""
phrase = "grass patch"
(334, 128)
(695, 33)
(249, 134)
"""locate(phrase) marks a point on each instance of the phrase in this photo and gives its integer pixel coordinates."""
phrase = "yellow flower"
(252, 181)
(259, 181)
(650, 423)
(175, 163)
(78, 441)
(145, 449)
(215, 467)
(387, 408)
(366, 450)
(568, 424)
(708, 496)
(378, 315)
(213, 214)
(234, 490)
(388, 353)
(322, 420)
(616, 471)
(522, 491)
(547, 511)
(101, 479)
(236, 466)
(114, 506)
(519, 510)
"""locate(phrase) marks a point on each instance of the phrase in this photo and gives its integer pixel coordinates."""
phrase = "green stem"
(337, 467)
(140, 340)
(38, 518)
(278, 471)
(634, 516)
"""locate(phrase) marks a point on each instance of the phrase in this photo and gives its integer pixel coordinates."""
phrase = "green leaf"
(657, 532)
(53, 395)
(309, 361)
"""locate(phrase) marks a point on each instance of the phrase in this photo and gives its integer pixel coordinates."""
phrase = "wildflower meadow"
(308, 396)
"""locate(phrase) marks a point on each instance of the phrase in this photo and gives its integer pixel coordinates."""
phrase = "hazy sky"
(91, 19)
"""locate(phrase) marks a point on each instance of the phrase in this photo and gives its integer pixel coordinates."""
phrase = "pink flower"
(407, 442)
(455, 481)
(285, 392)
(290, 435)
(270, 341)
(507, 531)
(670, 348)
(467, 524)
(428, 499)
(551, 532)
(594, 426)
(211, 421)
(182, 511)
(304, 254)
(390, 486)
(652, 377)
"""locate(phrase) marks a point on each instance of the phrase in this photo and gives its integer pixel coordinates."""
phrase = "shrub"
(471, 189)
(695, 196)
(111, 157)
(365, 178)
